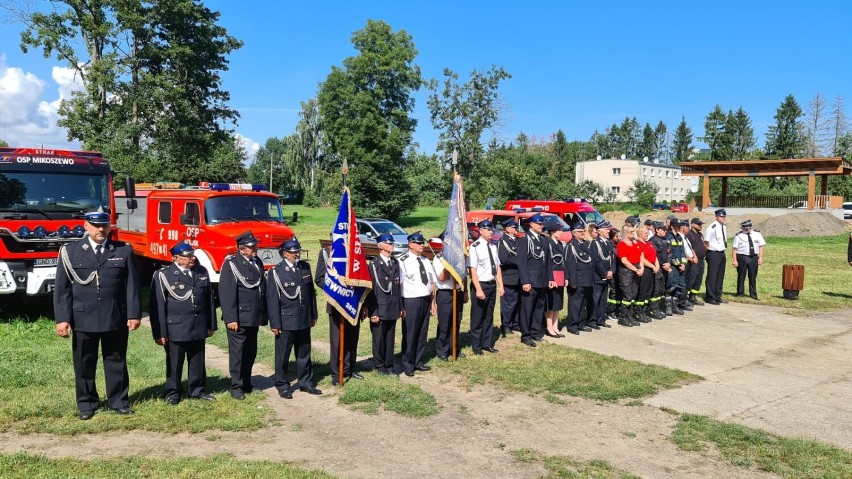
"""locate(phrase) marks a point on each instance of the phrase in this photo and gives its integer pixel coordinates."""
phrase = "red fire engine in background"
(44, 194)
(209, 216)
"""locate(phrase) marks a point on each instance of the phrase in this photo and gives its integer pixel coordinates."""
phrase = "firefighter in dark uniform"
(292, 304)
(533, 274)
(507, 252)
(384, 305)
(696, 273)
(662, 247)
(602, 252)
(351, 333)
(676, 282)
(241, 289)
(182, 317)
(580, 274)
(96, 301)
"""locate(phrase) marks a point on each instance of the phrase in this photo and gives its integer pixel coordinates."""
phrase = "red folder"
(559, 277)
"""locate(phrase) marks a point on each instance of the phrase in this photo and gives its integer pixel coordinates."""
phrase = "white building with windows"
(617, 176)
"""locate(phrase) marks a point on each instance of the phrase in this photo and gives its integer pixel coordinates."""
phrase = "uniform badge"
(180, 286)
(85, 246)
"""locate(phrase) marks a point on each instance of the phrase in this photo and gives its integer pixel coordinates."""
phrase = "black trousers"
(532, 314)
(384, 335)
(113, 346)
(646, 287)
(694, 277)
(600, 298)
(417, 313)
(578, 298)
(628, 284)
(510, 307)
(242, 351)
(482, 316)
(350, 345)
(444, 339)
(747, 265)
(715, 275)
(196, 375)
(300, 340)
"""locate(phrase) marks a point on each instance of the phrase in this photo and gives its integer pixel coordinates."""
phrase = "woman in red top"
(629, 272)
(646, 282)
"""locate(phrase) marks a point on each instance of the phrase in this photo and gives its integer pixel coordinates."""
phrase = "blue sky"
(575, 66)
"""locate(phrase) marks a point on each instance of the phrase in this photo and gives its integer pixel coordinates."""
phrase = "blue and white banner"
(347, 279)
(454, 250)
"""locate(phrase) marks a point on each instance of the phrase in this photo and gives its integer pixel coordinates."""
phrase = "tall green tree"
(462, 112)
(648, 145)
(714, 133)
(3, 143)
(682, 142)
(786, 138)
(365, 109)
(272, 165)
(661, 136)
(152, 99)
(739, 139)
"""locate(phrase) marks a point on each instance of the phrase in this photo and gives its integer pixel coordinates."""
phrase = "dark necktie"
(724, 237)
(98, 252)
(491, 258)
(186, 273)
(750, 245)
(422, 271)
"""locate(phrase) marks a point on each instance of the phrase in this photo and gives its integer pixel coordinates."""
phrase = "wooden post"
(705, 197)
(340, 346)
(455, 321)
(723, 197)
(811, 189)
(823, 187)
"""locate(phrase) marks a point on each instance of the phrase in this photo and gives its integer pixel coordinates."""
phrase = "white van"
(847, 211)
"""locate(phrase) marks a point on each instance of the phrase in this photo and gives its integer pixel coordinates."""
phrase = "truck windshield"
(234, 208)
(52, 193)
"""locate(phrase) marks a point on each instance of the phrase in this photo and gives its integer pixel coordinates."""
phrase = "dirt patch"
(791, 224)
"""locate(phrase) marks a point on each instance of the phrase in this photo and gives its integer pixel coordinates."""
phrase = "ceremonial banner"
(347, 278)
(454, 250)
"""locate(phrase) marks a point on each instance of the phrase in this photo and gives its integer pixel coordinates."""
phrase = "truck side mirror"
(129, 188)
(132, 204)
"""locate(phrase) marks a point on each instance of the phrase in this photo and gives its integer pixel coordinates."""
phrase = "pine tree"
(714, 133)
(682, 142)
(786, 138)
(739, 134)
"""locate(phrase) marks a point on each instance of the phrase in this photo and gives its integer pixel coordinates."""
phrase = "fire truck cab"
(44, 194)
(209, 216)
(570, 209)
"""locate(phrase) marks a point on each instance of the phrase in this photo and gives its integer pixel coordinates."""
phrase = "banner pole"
(455, 321)
(341, 343)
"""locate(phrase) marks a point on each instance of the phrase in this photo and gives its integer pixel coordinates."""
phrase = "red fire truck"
(570, 209)
(43, 195)
(209, 216)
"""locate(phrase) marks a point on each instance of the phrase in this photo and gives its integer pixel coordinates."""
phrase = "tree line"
(156, 108)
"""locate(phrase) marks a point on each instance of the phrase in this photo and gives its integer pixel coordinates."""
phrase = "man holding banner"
(451, 275)
(345, 281)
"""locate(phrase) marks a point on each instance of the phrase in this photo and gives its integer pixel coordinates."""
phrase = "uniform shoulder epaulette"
(403, 256)
(475, 243)
(713, 225)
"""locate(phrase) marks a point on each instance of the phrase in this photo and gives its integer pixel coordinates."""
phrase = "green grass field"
(214, 467)
(37, 389)
(747, 447)
(560, 467)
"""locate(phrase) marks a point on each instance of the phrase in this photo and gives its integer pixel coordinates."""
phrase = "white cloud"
(249, 146)
(27, 118)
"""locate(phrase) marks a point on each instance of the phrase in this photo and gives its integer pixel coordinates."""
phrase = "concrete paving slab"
(787, 374)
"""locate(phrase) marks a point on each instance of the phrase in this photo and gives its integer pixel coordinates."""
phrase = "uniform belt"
(714, 251)
(749, 255)
(487, 282)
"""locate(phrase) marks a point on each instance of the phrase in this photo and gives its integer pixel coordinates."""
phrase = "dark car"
(660, 207)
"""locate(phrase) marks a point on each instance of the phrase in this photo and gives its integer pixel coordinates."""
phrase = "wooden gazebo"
(810, 167)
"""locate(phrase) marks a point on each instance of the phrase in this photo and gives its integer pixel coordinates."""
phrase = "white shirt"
(687, 247)
(184, 270)
(412, 283)
(714, 236)
(94, 245)
(479, 259)
(741, 242)
(446, 284)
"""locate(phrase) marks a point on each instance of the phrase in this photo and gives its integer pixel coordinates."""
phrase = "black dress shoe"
(491, 350)
(124, 410)
(586, 329)
(460, 355)
(310, 390)
(604, 325)
(238, 395)
(539, 339)
(444, 358)
(753, 296)
(478, 353)
(529, 343)
(173, 400)
(594, 326)
(286, 394)
(86, 415)
(203, 397)
(712, 301)
(356, 375)
(551, 335)
(248, 390)
(723, 301)
(409, 373)
(577, 333)
(423, 368)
